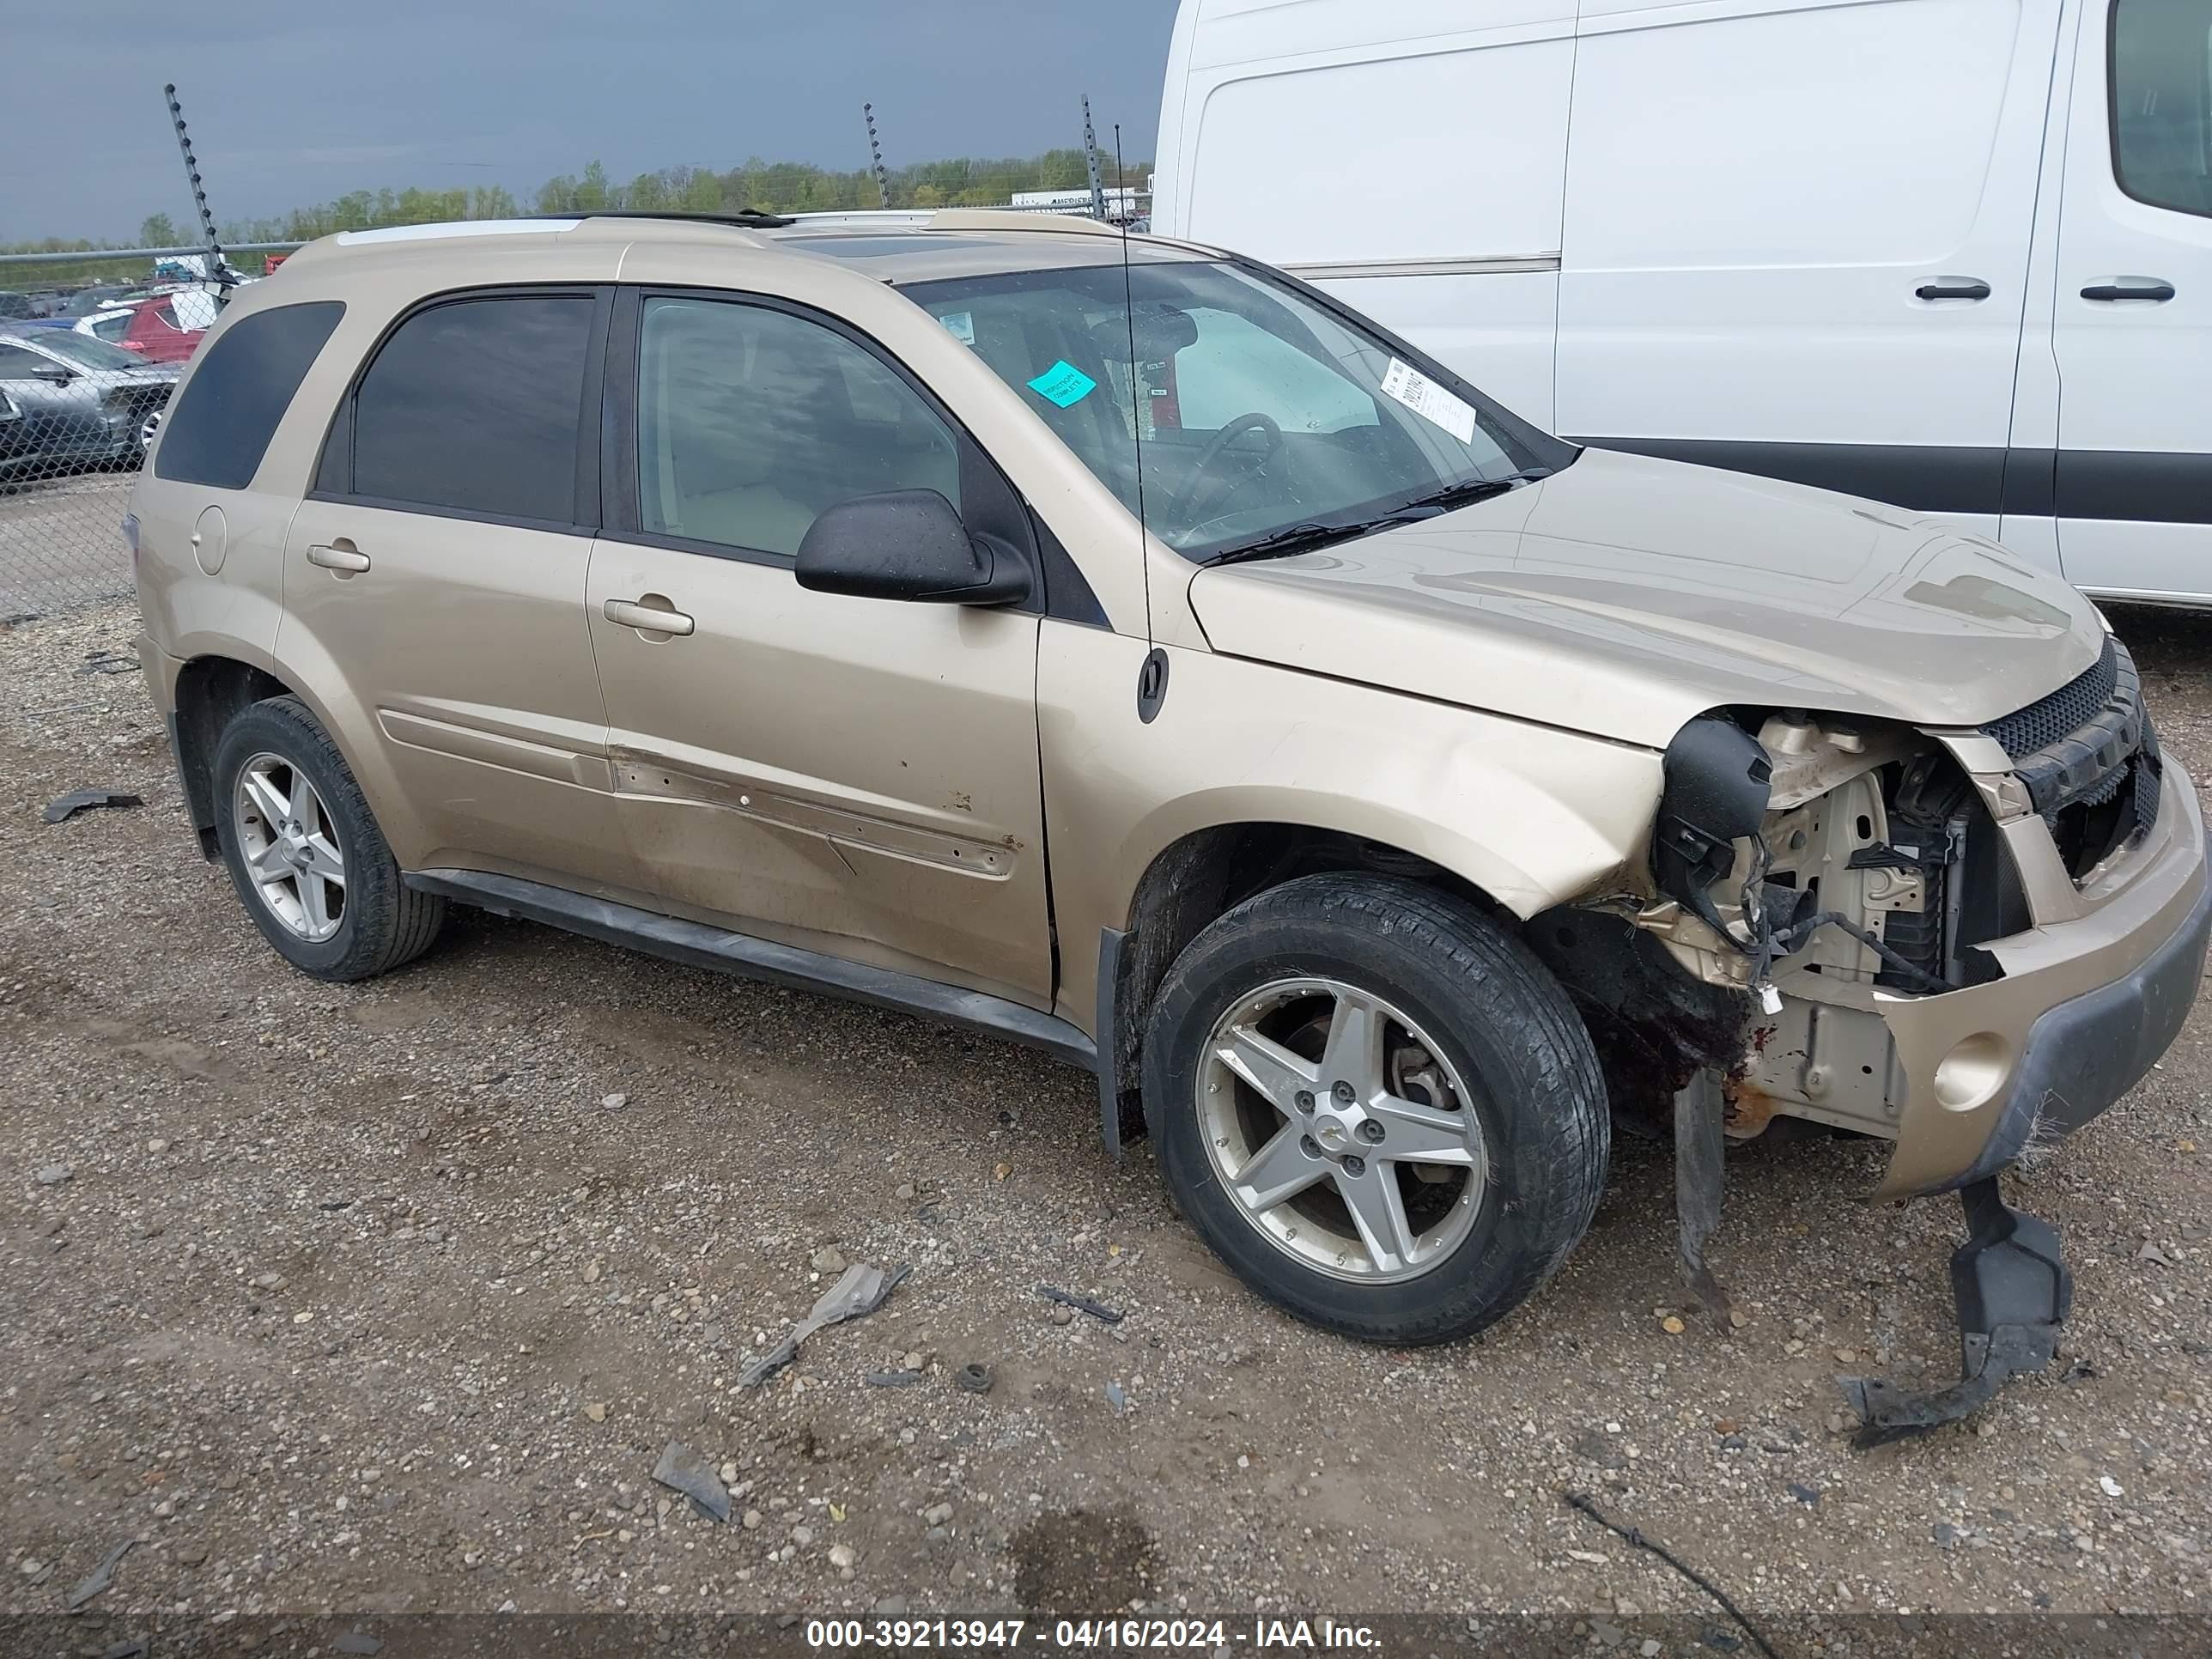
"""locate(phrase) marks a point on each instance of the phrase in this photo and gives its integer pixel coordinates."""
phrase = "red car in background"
(167, 328)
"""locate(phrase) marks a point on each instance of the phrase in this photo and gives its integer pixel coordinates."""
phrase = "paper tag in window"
(960, 326)
(1431, 402)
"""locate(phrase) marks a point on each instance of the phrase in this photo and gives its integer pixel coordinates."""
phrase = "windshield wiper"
(1302, 539)
(1306, 536)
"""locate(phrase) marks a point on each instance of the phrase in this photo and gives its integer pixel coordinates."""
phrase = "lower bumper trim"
(2083, 1054)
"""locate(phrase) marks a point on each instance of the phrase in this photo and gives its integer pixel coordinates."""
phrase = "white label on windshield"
(1431, 402)
(960, 326)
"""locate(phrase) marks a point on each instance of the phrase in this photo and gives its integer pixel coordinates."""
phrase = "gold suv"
(1117, 646)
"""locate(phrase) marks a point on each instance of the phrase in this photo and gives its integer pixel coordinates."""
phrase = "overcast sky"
(292, 101)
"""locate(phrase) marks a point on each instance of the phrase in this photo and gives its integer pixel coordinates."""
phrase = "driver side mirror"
(54, 373)
(907, 544)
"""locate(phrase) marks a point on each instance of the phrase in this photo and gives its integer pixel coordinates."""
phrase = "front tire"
(304, 852)
(1377, 1106)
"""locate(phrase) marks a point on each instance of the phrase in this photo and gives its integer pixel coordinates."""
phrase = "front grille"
(2064, 712)
(2089, 759)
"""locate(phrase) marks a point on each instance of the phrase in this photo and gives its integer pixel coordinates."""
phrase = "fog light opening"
(1971, 1073)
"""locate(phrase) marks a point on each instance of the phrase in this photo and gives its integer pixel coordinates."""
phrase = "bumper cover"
(2085, 1006)
(2084, 1054)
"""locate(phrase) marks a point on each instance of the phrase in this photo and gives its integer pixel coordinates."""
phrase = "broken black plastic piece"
(1699, 1158)
(2013, 1292)
(78, 800)
(1097, 1310)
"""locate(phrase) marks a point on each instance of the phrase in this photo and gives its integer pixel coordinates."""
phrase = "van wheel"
(1377, 1106)
(305, 853)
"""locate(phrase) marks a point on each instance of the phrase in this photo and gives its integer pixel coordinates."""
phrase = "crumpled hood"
(1624, 595)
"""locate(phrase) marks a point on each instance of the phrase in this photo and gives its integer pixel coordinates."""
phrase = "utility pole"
(1091, 160)
(218, 267)
(876, 154)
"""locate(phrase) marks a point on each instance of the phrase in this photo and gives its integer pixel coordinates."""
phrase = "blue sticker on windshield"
(1063, 384)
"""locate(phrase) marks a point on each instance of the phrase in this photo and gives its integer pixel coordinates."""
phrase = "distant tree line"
(777, 187)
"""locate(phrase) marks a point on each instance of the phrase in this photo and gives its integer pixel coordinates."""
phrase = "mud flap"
(1699, 1154)
(2013, 1293)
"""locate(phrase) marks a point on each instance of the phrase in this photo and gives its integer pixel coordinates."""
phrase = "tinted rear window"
(221, 425)
(475, 405)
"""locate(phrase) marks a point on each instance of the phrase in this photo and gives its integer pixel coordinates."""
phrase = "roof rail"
(746, 219)
(1013, 219)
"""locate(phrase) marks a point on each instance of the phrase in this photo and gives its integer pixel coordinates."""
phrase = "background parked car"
(15, 306)
(99, 296)
(167, 328)
(68, 401)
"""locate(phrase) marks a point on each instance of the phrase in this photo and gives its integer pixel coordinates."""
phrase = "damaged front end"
(1953, 941)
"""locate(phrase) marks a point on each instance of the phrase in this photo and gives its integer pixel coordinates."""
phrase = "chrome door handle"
(646, 618)
(345, 559)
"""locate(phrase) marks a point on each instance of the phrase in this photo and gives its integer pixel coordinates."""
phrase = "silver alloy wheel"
(1307, 1097)
(291, 852)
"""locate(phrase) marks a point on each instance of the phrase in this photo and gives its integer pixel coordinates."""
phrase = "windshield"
(85, 351)
(1259, 416)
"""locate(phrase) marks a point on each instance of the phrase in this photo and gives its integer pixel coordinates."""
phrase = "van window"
(751, 422)
(475, 406)
(2162, 102)
(228, 411)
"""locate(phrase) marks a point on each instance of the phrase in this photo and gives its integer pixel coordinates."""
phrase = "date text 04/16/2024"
(1074, 1635)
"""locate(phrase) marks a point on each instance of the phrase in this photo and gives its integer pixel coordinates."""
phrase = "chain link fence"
(90, 349)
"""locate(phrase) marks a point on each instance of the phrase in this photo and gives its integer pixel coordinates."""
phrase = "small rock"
(592, 1271)
(1847, 1356)
(32, 1568)
(827, 1260)
(938, 1514)
(752, 1520)
(1946, 1535)
(52, 1175)
(1061, 1315)
(597, 1411)
(891, 1606)
(157, 1145)
(614, 1103)
(1738, 1318)
(802, 1536)
(1809, 1497)
(1672, 1325)
(1650, 1648)
(841, 1557)
(905, 1191)
(2110, 1487)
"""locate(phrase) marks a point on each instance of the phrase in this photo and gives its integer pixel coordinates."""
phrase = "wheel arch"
(210, 692)
(1204, 872)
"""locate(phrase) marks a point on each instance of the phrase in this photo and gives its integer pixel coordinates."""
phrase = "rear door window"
(222, 424)
(474, 407)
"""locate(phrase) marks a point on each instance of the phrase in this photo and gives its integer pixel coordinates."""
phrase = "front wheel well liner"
(211, 692)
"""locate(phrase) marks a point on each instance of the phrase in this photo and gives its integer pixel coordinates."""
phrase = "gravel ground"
(389, 1297)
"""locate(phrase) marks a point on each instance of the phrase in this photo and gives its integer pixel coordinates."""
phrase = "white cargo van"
(1953, 254)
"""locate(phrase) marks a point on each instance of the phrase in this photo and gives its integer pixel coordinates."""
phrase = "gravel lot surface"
(390, 1297)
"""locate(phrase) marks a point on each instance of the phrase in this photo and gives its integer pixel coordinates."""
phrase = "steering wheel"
(1186, 501)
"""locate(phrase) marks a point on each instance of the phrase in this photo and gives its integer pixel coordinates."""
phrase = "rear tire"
(1437, 1212)
(303, 849)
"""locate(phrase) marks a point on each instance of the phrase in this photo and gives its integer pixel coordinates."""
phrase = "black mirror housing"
(907, 544)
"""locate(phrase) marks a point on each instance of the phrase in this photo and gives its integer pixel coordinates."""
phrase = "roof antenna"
(1152, 676)
(219, 271)
(876, 150)
(1090, 159)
